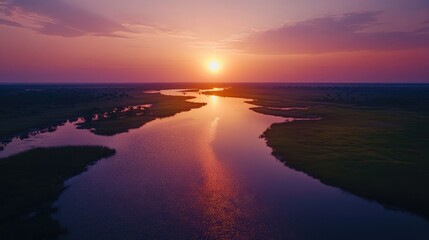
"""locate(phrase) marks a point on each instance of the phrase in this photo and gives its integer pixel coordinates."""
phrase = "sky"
(64, 41)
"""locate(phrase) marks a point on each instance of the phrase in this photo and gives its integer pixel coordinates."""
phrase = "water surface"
(206, 174)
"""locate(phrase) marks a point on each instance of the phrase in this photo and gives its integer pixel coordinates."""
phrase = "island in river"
(29, 109)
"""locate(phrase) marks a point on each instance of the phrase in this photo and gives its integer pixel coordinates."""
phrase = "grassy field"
(30, 108)
(162, 106)
(373, 142)
(32, 180)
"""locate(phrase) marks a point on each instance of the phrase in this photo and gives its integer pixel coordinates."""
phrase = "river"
(206, 174)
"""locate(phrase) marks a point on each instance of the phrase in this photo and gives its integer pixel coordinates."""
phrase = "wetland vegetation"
(26, 109)
(371, 140)
(31, 181)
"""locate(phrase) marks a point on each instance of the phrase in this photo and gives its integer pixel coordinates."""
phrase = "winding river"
(206, 174)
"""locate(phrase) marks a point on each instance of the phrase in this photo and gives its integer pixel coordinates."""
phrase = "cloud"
(59, 18)
(56, 18)
(159, 30)
(345, 33)
(9, 23)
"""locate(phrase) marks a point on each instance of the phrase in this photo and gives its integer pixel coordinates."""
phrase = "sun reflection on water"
(219, 196)
(214, 100)
(217, 192)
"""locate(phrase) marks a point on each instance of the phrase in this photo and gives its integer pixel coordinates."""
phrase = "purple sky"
(254, 40)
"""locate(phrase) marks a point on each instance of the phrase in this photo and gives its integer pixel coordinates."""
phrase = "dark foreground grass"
(373, 142)
(32, 180)
(378, 154)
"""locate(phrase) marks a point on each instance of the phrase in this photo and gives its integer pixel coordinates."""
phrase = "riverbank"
(31, 181)
(161, 106)
(29, 109)
(372, 142)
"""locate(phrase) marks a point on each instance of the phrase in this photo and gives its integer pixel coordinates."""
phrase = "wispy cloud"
(223, 45)
(159, 30)
(9, 23)
(56, 18)
(348, 32)
(60, 18)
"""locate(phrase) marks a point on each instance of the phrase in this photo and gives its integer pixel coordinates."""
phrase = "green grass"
(23, 111)
(375, 146)
(162, 106)
(378, 154)
(32, 180)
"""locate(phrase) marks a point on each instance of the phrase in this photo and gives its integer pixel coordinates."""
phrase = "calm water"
(206, 174)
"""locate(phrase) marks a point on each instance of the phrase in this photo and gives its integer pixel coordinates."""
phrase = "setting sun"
(214, 66)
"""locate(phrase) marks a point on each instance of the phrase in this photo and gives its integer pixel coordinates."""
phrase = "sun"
(214, 66)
